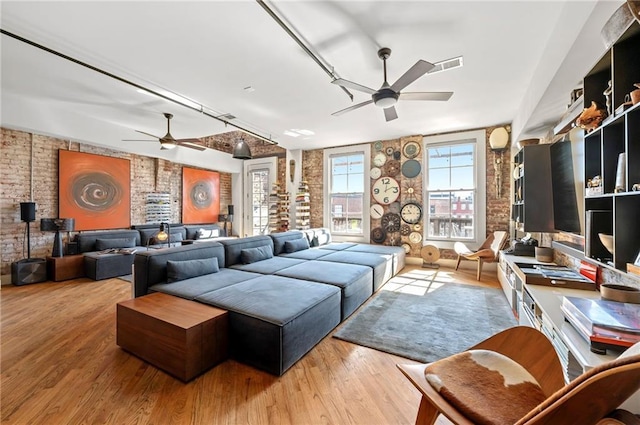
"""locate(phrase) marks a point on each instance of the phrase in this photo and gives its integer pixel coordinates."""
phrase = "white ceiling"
(521, 61)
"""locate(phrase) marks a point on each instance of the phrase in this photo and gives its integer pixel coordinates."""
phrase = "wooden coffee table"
(184, 338)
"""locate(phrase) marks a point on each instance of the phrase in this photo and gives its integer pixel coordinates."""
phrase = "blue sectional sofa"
(283, 296)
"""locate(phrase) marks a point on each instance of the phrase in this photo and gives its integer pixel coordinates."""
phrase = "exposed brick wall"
(147, 175)
(312, 172)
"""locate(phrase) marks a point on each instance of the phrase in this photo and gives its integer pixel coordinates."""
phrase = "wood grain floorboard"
(60, 365)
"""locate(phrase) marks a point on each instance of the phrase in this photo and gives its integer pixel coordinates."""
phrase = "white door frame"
(269, 163)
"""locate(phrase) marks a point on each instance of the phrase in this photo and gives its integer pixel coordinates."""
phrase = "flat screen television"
(567, 181)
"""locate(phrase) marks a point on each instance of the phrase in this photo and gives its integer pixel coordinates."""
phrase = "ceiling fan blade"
(427, 95)
(416, 71)
(192, 146)
(148, 134)
(351, 108)
(351, 85)
(390, 113)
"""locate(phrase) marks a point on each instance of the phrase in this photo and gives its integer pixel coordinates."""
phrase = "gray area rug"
(447, 319)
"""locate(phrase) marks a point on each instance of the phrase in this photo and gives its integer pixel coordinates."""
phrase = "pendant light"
(241, 150)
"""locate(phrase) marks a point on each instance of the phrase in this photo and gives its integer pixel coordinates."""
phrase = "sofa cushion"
(199, 285)
(102, 244)
(280, 238)
(207, 233)
(296, 245)
(259, 253)
(268, 266)
(181, 270)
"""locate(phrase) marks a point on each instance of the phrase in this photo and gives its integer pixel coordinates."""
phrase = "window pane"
(356, 183)
(461, 155)
(347, 193)
(439, 157)
(439, 178)
(339, 184)
(463, 178)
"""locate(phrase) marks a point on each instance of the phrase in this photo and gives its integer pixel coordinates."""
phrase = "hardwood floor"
(61, 365)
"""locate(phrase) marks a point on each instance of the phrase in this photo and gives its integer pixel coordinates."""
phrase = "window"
(455, 188)
(347, 192)
(260, 176)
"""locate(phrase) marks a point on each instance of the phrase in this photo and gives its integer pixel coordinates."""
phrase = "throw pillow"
(251, 255)
(181, 270)
(207, 233)
(296, 245)
(102, 244)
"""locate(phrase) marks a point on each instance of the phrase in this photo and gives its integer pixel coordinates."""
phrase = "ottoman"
(104, 266)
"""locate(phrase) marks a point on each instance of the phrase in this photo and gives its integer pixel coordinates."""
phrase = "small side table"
(65, 268)
(182, 337)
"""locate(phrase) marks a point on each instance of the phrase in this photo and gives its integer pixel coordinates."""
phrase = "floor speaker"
(32, 270)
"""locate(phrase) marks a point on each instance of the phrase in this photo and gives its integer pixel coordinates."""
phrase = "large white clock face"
(386, 190)
(379, 159)
(376, 211)
(411, 213)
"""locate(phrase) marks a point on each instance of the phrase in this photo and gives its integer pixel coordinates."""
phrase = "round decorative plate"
(378, 235)
(376, 211)
(396, 155)
(392, 167)
(407, 248)
(389, 151)
(391, 222)
(417, 227)
(405, 229)
(415, 237)
(411, 168)
(375, 173)
(411, 149)
(394, 207)
(430, 253)
(377, 146)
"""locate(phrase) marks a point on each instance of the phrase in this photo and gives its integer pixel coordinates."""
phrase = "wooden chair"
(487, 253)
(586, 400)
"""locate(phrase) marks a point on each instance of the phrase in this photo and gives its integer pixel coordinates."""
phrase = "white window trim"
(480, 223)
(366, 222)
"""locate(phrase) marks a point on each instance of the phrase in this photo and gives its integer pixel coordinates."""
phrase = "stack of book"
(604, 324)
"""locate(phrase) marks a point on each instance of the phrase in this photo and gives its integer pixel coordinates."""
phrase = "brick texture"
(23, 151)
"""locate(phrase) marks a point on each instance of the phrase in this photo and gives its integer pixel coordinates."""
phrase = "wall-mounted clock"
(375, 173)
(396, 155)
(376, 211)
(379, 159)
(391, 222)
(411, 212)
(394, 207)
(389, 151)
(411, 149)
(407, 248)
(405, 229)
(386, 190)
(415, 237)
(417, 227)
(377, 146)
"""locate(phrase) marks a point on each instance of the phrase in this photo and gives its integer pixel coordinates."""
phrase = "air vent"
(447, 65)
(227, 117)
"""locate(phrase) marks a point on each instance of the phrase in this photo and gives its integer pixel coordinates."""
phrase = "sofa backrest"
(150, 267)
(280, 238)
(234, 247)
(148, 233)
(193, 229)
(87, 240)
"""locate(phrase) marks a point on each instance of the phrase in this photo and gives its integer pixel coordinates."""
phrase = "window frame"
(480, 184)
(365, 150)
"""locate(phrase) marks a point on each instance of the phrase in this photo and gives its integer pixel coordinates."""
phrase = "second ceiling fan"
(387, 95)
(169, 142)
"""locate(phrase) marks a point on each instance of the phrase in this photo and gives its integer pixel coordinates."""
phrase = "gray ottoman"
(104, 266)
(274, 321)
(382, 265)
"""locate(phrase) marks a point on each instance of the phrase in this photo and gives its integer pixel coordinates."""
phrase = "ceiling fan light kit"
(387, 96)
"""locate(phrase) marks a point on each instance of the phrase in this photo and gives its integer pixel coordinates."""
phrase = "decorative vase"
(635, 95)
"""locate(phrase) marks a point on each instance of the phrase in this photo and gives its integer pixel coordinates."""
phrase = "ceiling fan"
(387, 95)
(169, 142)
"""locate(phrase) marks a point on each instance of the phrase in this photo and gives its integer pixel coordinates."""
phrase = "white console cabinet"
(538, 306)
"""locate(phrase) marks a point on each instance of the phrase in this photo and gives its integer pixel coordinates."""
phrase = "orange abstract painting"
(95, 190)
(200, 196)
